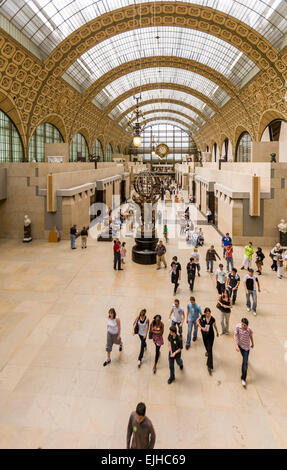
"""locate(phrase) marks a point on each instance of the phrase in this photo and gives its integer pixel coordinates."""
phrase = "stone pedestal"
(144, 251)
(27, 234)
(283, 239)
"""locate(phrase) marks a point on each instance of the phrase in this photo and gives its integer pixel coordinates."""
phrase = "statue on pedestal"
(282, 226)
(147, 193)
(27, 230)
(283, 232)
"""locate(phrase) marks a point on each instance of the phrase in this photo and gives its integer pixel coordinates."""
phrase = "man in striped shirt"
(243, 339)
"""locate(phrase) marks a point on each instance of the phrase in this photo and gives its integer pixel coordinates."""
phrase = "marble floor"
(55, 392)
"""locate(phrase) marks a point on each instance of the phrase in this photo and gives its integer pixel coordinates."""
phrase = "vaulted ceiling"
(186, 59)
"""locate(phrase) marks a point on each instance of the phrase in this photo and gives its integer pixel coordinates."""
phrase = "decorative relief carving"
(44, 92)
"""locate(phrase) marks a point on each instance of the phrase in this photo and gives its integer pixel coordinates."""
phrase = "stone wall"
(75, 210)
(3, 183)
(232, 188)
(26, 194)
(261, 151)
(225, 214)
(57, 150)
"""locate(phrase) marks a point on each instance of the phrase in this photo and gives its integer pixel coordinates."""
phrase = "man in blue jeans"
(192, 315)
(117, 255)
(243, 339)
(174, 347)
(73, 236)
(232, 284)
(177, 316)
(225, 241)
(250, 283)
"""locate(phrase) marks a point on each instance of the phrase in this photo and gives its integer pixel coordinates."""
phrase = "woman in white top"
(141, 327)
(113, 335)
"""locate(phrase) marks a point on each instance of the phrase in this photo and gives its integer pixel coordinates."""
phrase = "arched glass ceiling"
(164, 93)
(159, 122)
(162, 75)
(48, 22)
(170, 114)
(173, 41)
(166, 106)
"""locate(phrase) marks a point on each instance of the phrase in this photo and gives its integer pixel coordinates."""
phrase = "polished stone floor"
(54, 391)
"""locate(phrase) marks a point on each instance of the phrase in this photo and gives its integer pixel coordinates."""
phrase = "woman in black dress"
(206, 323)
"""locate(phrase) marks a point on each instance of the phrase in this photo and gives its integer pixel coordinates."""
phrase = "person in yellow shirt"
(247, 260)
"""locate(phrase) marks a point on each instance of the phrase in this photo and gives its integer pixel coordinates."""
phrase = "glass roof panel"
(170, 114)
(157, 124)
(56, 19)
(165, 106)
(160, 75)
(173, 41)
(164, 93)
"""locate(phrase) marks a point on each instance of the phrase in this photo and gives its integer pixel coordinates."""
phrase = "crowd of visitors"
(227, 282)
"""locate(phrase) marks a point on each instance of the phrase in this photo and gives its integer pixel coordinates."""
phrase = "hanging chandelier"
(138, 127)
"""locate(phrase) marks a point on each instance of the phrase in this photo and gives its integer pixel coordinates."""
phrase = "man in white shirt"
(221, 278)
(177, 316)
(250, 281)
(196, 256)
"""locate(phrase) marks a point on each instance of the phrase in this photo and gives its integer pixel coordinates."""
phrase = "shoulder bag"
(136, 328)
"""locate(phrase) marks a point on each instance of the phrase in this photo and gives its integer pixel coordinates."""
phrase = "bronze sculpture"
(147, 193)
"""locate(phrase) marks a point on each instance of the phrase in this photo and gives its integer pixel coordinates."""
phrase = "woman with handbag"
(141, 327)
(156, 334)
(224, 305)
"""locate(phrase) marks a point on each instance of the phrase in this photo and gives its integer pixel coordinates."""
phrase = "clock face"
(162, 150)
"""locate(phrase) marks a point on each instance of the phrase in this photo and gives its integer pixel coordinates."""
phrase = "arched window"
(274, 131)
(98, 150)
(45, 133)
(227, 150)
(109, 153)
(79, 148)
(177, 139)
(243, 148)
(214, 152)
(207, 148)
(11, 148)
(118, 150)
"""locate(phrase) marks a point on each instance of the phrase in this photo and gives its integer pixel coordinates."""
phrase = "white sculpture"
(27, 230)
(282, 226)
(27, 221)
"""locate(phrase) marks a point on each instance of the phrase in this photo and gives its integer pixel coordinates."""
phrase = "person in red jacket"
(117, 255)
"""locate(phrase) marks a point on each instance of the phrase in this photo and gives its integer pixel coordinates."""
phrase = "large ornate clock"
(162, 150)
